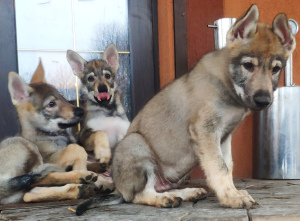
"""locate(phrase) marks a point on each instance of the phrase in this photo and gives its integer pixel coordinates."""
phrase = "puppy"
(105, 123)
(192, 119)
(46, 149)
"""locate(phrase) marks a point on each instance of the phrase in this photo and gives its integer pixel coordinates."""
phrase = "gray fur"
(191, 120)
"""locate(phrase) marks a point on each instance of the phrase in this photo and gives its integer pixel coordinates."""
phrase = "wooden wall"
(200, 41)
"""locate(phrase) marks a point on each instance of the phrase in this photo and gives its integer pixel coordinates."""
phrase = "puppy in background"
(105, 123)
(45, 149)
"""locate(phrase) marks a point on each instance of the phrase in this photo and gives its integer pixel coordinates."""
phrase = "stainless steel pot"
(277, 131)
(277, 137)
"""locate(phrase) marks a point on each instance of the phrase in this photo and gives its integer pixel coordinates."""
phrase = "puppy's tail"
(23, 182)
(111, 199)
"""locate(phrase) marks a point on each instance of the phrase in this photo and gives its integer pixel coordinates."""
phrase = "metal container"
(221, 27)
(277, 137)
(277, 131)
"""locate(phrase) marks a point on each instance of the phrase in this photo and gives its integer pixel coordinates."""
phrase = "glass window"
(47, 28)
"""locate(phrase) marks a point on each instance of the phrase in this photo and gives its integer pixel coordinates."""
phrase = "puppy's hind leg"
(75, 176)
(168, 199)
(68, 191)
(190, 194)
(73, 154)
(134, 174)
(150, 197)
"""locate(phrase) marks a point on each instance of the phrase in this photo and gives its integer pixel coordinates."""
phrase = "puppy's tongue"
(103, 96)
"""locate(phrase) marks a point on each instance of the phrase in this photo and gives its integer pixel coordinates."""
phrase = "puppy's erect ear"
(281, 28)
(39, 74)
(111, 56)
(244, 27)
(18, 89)
(76, 62)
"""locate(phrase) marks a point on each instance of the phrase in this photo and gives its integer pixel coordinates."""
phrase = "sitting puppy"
(192, 119)
(105, 123)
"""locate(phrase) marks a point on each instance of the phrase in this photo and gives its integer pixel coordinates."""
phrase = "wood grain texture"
(279, 200)
(166, 41)
(180, 36)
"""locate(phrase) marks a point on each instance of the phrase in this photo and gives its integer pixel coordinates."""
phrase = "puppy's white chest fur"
(114, 126)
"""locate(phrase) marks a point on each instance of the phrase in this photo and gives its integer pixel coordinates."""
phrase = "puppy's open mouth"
(103, 97)
(67, 125)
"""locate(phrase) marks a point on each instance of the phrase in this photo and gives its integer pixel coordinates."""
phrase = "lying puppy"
(44, 148)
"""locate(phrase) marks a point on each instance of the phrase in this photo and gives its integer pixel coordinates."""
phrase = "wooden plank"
(280, 212)
(109, 213)
(39, 204)
(166, 41)
(279, 200)
(180, 35)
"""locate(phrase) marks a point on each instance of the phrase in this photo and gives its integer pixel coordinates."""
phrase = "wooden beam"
(166, 41)
(180, 33)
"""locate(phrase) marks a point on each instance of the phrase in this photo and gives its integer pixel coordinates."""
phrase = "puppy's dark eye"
(91, 78)
(249, 66)
(107, 76)
(51, 104)
(276, 69)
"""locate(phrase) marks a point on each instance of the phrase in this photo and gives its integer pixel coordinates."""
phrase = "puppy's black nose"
(78, 112)
(262, 98)
(102, 88)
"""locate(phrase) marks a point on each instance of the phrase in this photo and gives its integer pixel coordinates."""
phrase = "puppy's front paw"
(97, 167)
(103, 154)
(237, 199)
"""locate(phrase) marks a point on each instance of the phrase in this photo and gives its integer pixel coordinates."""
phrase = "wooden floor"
(279, 200)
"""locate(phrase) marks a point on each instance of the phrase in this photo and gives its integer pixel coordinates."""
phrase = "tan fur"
(68, 191)
(191, 120)
(44, 146)
(60, 178)
(98, 142)
(39, 74)
(72, 154)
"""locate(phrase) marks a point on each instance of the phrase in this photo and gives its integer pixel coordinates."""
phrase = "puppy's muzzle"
(102, 88)
(78, 112)
(262, 99)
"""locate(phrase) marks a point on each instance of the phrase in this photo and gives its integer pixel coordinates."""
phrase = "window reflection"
(47, 28)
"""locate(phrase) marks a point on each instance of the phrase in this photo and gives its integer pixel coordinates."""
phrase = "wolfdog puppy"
(191, 120)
